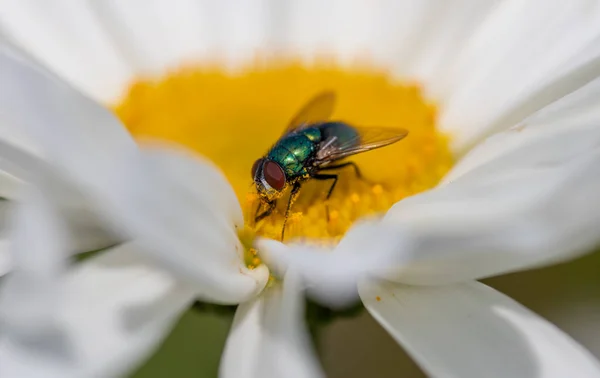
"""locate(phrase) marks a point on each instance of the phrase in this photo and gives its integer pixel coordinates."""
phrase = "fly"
(310, 148)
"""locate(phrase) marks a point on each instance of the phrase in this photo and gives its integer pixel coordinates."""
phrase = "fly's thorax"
(312, 133)
(294, 152)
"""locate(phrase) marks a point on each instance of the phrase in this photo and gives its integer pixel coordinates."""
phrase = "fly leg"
(266, 213)
(338, 166)
(323, 178)
(293, 196)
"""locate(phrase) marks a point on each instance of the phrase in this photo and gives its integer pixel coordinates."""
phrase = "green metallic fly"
(308, 147)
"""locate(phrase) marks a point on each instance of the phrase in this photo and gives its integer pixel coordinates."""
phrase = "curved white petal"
(114, 311)
(527, 54)
(331, 275)
(345, 30)
(268, 337)
(496, 224)
(437, 34)
(471, 330)
(70, 39)
(328, 280)
(162, 35)
(187, 218)
(9, 185)
(573, 117)
(38, 252)
(5, 245)
(48, 128)
(78, 140)
(5, 257)
(88, 232)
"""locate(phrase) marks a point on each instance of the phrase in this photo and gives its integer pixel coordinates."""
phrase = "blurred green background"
(358, 347)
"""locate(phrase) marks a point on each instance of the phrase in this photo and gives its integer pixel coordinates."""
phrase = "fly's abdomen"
(292, 153)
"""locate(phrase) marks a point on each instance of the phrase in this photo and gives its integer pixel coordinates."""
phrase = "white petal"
(88, 231)
(268, 337)
(38, 251)
(573, 117)
(22, 159)
(115, 310)
(5, 207)
(496, 224)
(471, 330)
(506, 73)
(162, 35)
(79, 140)
(9, 185)
(48, 128)
(69, 38)
(313, 29)
(331, 275)
(86, 228)
(5, 257)
(187, 219)
(411, 39)
(438, 39)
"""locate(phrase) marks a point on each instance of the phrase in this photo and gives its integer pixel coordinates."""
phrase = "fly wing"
(318, 109)
(365, 139)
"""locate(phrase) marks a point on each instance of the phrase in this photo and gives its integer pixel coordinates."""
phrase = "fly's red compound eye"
(255, 166)
(274, 175)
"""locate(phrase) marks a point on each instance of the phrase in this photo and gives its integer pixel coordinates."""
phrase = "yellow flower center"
(234, 119)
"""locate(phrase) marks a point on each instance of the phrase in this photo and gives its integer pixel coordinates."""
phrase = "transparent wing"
(318, 109)
(366, 139)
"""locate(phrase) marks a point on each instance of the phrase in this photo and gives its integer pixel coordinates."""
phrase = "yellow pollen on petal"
(233, 119)
(251, 258)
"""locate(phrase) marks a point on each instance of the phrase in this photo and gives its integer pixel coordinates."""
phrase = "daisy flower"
(500, 101)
